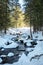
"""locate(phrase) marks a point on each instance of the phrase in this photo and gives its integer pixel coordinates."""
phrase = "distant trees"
(20, 18)
(14, 11)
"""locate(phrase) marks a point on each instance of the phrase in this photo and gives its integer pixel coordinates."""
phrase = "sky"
(21, 2)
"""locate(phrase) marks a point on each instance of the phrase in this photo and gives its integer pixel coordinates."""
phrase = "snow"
(10, 54)
(28, 42)
(37, 50)
(3, 42)
(23, 60)
(3, 55)
(29, 49)
(2, 49)
(13, 45)
(39, 34)
(17, 30)
(0, 60)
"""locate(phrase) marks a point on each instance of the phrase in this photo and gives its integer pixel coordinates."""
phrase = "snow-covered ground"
(35, 55)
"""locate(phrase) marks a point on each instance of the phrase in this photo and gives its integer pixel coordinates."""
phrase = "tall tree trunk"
(5, 31)
(31, 31)
(42, 31)
(30, 25)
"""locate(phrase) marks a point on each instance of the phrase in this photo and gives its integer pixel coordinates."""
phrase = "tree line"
(34, 14)
(10, 10)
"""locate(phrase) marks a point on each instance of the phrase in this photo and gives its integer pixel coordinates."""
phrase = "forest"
(21, 32)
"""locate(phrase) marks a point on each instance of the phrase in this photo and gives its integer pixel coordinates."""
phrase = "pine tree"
(4, 15)
(34, 12)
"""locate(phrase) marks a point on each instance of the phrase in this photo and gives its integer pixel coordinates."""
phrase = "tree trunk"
(31, 32)
(30, 25)
(42, 31)
(5, 30)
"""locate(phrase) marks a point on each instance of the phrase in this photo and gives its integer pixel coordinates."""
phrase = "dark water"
(18, 51)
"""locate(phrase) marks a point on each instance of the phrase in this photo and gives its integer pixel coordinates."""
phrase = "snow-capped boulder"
(0, 60)
(10, 54)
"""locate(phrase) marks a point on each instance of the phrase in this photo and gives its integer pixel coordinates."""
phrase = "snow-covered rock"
(13, 45)
(0, 60)
(10, 54)
(2, 49)
(3, 55)
(3, 42)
